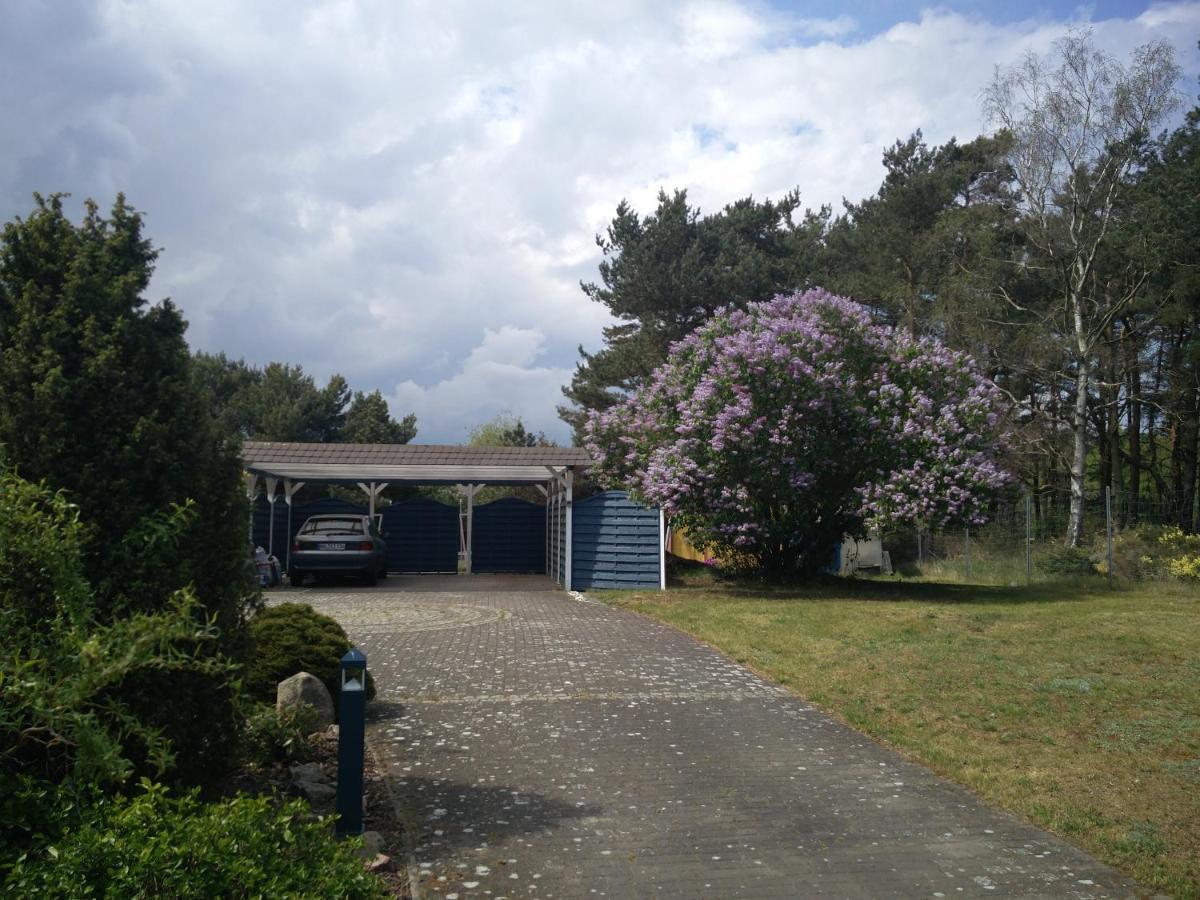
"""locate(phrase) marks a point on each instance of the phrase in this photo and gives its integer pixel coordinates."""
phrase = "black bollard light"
(352, 710)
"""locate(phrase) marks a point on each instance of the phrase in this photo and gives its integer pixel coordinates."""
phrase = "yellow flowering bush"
(1153, 551)
(1182, 552)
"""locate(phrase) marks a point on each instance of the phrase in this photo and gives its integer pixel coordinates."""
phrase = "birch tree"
(1079, 118)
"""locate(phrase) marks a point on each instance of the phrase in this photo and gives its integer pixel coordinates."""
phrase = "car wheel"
(295, 577)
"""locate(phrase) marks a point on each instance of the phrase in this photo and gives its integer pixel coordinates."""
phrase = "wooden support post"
(470, 528)
(662, 550)
(289, 491)
(372, 489)
(251, 481)
(567, 530)
(272, 483)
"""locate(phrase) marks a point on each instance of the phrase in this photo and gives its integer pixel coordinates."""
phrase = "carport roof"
(423, 463)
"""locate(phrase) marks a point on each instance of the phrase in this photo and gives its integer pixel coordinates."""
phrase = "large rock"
(312, 771)
(372, 844)
(303, 688)
(318, 793)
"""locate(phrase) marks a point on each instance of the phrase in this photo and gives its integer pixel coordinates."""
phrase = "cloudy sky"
(408, 192)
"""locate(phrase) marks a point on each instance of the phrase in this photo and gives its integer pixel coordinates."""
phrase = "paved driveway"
(543, 746)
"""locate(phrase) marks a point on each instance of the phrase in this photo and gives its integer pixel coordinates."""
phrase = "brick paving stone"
(543, 746)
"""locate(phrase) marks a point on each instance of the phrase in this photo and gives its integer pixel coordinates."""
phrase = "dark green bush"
(291, 638)
(155, 845)
(1067, 562)
(68, 727)
(274, 736)
(99, 399)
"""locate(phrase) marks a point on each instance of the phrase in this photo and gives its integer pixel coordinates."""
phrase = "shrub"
(1133, 553)
(67, 727)
(772, 432)
(1154, 551)
(274, 736)
(154, 845)
(98, 398)
(1067, 562)
(1181, 552)
(291, 638)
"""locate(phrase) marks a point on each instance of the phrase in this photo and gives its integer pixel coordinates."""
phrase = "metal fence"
(1025, 540)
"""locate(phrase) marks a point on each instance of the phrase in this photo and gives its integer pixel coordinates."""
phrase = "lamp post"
(352, 712)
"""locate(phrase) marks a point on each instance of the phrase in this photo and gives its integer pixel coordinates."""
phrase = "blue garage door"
(615, 543)
(509, 535)
(422, 536)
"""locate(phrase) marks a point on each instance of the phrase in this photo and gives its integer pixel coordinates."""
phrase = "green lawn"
(1072, 705)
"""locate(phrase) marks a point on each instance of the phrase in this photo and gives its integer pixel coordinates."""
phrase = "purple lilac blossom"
(772, 427)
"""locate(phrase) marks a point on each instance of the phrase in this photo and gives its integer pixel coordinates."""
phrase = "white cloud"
(368, 187)
(501, 374)
(839, 26)
(712, 30)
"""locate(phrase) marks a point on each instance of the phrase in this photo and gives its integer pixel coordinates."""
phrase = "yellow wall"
(680, 546)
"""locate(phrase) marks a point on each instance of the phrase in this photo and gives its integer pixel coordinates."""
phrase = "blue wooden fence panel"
(560, 542)
(509, 535)
(615, 543)
(422, 536)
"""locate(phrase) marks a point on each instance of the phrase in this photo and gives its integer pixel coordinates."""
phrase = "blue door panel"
(422, 536)
(509, 535)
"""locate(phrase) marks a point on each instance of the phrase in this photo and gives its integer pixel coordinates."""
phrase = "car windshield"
(332, 526)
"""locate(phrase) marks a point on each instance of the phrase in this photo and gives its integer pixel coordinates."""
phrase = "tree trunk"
(1188, 434)
(1151, 425)
(1185, 467)
(1184, 429)
(1134, 426)
(1116, 479)
(1103, 418)
(1116, 482)
(1079, 455)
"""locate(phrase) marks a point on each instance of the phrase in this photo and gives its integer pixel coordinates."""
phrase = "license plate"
(333, 546)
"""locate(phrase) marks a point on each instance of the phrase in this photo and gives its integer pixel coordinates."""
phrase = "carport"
(284, 468)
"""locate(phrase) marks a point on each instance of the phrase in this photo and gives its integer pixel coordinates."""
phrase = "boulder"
(312, 771)
(317, 792)
(381, 863)
(303, 688)
(372, 844)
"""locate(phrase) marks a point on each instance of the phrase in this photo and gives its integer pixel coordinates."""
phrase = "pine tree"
(98, 399)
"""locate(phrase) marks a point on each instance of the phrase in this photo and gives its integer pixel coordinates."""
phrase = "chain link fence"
(1025, 541)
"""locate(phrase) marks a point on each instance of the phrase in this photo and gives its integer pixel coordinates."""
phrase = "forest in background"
(1061, 251)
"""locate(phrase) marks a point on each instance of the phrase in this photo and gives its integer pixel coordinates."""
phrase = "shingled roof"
(427, 463)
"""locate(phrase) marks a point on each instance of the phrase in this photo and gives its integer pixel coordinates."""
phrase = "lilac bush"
(773, 431)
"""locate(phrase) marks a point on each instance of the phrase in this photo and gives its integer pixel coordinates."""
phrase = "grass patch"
(1075, 706)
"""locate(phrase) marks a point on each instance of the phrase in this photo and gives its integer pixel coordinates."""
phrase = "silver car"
(338, 544)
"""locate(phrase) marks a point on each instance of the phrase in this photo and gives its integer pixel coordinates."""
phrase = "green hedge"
(90, 699)
(158, 846)
(291, 638)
